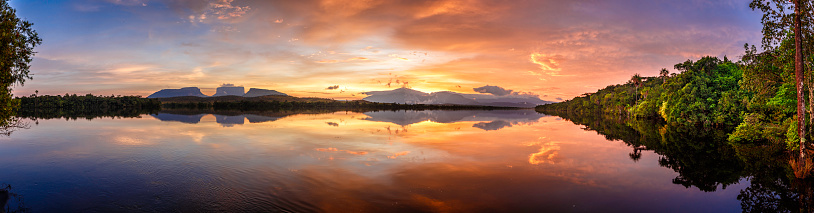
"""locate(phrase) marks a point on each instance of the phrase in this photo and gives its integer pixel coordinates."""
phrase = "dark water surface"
(406, 161)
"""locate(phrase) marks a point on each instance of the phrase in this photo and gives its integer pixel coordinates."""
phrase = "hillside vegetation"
(753, 100)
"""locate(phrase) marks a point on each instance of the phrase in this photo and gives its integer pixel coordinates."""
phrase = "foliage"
(18, 40)
(87, 106)
(705, 93)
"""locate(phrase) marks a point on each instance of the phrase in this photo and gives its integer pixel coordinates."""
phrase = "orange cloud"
(224, 9)
(555, 48)
(327, 61)
(396, 155)
(331, 149)
(546, 62)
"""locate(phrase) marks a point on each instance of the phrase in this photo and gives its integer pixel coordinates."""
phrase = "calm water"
(408, 161)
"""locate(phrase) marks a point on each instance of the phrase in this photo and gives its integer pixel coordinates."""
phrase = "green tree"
(663, 74)
(18, 40)
(780, 17)
(636, 80)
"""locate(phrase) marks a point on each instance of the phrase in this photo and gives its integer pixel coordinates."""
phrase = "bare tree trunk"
(798, 77)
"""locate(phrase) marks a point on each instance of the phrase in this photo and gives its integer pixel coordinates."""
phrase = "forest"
(753, 100)
(759, 101)
(84, 106)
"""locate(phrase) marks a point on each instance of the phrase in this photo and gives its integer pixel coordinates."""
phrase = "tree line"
(706, 93)
(91, 106)
(760, 100)
(84, 106)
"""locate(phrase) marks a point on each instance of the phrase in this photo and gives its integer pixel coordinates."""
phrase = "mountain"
(507, 100)
(221, 91)
(229, 90)
(409, 96)
(400, 95)
(186, 91)
(254, 92)
(446, 97)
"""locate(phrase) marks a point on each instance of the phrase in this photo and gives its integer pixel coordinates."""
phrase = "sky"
(339, 49)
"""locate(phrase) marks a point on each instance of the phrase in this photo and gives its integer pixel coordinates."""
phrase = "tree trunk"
(798, 77)
(810, 101)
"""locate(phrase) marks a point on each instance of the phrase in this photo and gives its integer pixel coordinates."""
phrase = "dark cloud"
(332, 87)
(559, 99)
(494, 90)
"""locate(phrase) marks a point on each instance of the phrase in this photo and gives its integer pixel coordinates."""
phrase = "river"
(385, 161)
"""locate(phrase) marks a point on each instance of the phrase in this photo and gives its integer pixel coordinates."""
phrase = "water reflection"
(486, 120)
(11, 124)
(393, 161)
(703, 159)
(11, 202)
(489, 120)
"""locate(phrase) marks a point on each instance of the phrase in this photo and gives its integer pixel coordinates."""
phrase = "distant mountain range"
(400, 96)
(410, 96)
(221, 91)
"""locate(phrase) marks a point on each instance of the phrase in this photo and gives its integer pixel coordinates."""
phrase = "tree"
(798, 78)
(780, 17)
(18, 40)
(663, 74)
(636, 80)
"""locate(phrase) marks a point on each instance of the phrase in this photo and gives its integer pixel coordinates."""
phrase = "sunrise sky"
(338, 49)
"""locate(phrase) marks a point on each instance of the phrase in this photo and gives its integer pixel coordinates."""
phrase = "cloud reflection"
(548, 154)
(299, 163)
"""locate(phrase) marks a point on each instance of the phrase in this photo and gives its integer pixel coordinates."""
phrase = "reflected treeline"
(11, 202)
(56, 113)
(704, 159)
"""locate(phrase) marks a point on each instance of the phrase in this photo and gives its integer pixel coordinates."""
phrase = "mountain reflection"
(225, 118)
(388, 161)
(487, 120)
(190, 119)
